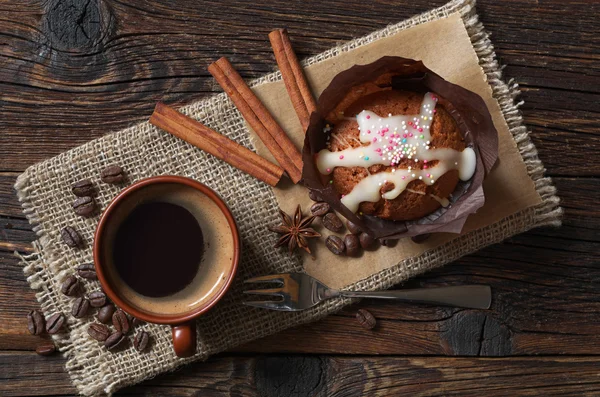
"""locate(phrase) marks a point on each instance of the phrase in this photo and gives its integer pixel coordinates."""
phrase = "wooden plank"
(579, 197)
(9, 204)
(545, 286)
(108, 79)
(284, 376)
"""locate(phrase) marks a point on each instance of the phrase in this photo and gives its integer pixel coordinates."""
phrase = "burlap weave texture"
(144, 151)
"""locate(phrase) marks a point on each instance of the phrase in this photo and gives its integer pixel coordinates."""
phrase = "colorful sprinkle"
(341, 156)
(367, 158)
(368, 117)
(420, 129)
(328, 169)
(421, 136)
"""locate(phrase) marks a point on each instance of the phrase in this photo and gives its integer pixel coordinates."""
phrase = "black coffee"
(158, 249)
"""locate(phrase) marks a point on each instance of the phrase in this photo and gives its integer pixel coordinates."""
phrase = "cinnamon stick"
(259, 118)
(293, 76)
(218, 145)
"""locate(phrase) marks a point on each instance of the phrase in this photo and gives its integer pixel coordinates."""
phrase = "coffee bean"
(105, 314)
(35, 322)
(45, 349)
(314, 196)
(388, 242)
(80, 307)
(55, 323)
(120, 321)
(332, 222)
(71, 286)
(335, 245)
(71, 237)
(320, 209)
(83, 188)
(136, 322)
(112, 174)
(366, 319)
(141, 341)
(366, 241)
(353, 227)
(85, 206)
(420, 238)
(114, 340)
(100, 332)
(97, 299)
(352, 244)
(87, 271)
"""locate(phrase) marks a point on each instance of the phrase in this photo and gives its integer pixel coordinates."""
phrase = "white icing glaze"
(388, 140)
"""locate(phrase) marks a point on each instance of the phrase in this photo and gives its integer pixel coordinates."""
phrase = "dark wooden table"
(71, 71)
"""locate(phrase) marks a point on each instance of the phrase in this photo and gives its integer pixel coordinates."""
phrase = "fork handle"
(467, 296)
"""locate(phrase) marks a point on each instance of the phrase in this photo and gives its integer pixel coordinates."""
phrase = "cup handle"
(184, 339)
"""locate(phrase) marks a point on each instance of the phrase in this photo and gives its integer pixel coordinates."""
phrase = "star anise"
(295, 232)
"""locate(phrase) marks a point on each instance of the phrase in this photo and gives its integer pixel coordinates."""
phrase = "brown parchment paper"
(444, 47)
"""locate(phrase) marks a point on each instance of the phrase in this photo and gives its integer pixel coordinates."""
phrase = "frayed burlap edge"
(37, 266)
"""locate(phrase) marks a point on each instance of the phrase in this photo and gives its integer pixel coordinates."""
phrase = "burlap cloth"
(145, 151)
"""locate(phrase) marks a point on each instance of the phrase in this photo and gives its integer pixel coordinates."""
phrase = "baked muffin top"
(373, 152)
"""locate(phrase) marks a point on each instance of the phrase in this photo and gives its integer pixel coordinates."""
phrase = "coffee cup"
(166, 249)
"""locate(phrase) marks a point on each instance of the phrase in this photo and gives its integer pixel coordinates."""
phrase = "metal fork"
(299, 291)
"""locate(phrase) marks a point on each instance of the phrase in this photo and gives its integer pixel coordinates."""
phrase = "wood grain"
(542, 304)
(277, 376)
(124, 69)
(72, 71)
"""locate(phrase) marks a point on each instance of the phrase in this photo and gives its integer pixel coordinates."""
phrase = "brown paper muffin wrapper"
(468, 110)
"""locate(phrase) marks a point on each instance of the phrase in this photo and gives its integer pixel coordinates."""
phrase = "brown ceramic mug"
(220, 256)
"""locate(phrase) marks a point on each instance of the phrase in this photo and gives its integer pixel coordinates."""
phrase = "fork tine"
(267, 291)
(265, 279)
(273, 305)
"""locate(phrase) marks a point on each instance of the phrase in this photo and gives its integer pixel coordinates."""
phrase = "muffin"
(394, 154)
(399, 151)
